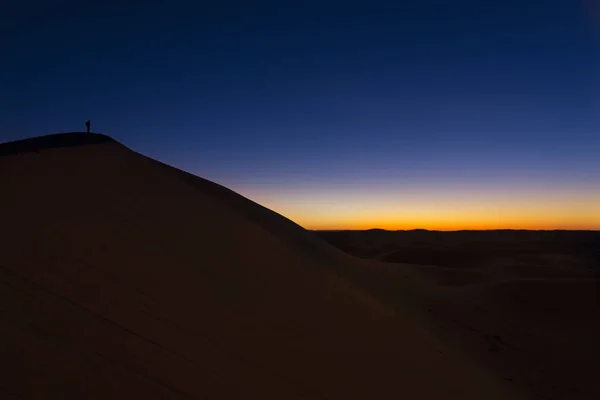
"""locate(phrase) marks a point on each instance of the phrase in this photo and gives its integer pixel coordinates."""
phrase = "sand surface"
(523, 304)
(124, 278)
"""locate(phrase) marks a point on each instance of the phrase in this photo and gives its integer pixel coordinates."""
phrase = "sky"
(337, 114)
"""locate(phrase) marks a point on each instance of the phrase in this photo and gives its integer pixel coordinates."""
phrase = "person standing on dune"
(88, 124)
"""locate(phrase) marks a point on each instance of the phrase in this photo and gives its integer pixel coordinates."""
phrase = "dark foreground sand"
(524, 304)
(124, 278)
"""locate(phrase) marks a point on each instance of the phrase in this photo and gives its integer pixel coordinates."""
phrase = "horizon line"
(455, 230)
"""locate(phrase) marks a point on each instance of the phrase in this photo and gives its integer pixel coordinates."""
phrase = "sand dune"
(528, 309)
(121, 277)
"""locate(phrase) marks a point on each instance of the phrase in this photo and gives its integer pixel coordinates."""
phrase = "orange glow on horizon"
(466, 221)
(438, 210)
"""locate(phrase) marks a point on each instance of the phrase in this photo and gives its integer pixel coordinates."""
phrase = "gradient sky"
(401, 114)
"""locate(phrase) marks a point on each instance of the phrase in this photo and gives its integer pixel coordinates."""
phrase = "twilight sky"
(429, 114)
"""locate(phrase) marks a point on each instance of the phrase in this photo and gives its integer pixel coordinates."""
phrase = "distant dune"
(124, 278)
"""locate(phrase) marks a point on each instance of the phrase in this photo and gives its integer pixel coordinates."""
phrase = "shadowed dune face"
(525, 304)
(445, 258)
(123, 278)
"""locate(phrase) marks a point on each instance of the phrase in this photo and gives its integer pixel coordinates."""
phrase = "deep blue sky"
(284, 101)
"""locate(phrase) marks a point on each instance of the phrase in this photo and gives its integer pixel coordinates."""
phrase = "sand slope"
(123, 278)
(525, 305)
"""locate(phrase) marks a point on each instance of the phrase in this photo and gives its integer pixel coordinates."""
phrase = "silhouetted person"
(88, 124)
